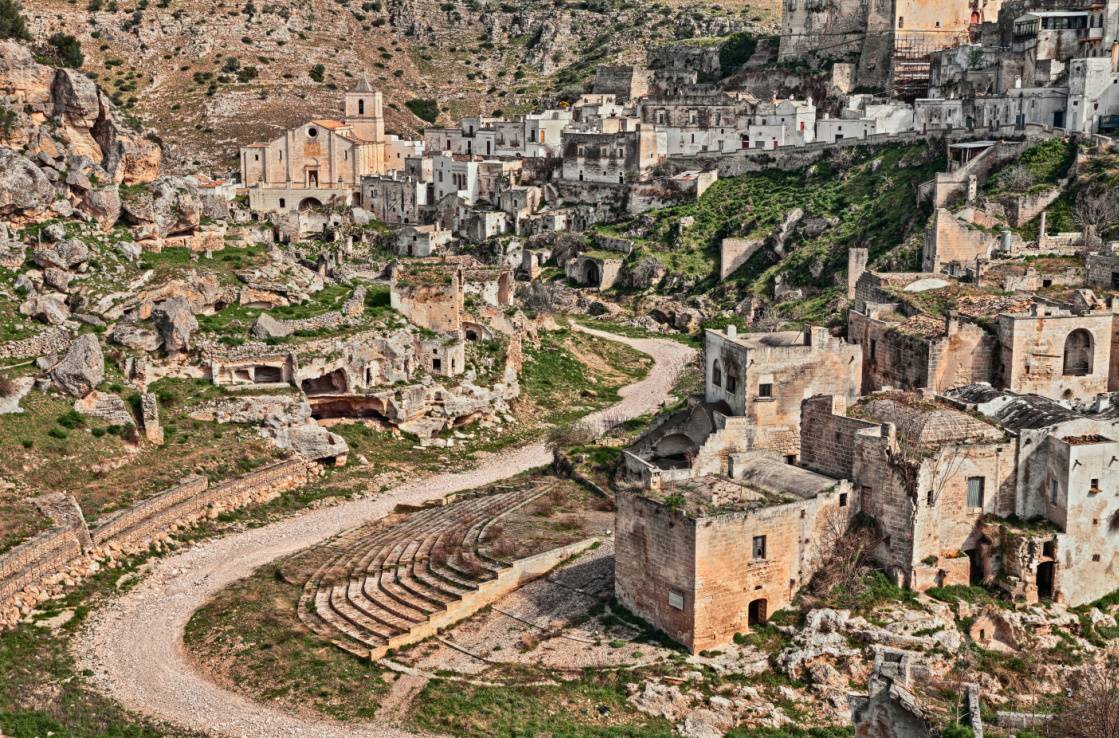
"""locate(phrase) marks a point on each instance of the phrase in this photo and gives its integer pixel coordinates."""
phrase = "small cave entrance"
(756, 612)
(355, 407)
(268, 375)
(975, 567)
(330, 383)
(1046, 577)
(591, 274)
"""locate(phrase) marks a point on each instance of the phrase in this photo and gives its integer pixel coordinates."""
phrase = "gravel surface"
(134, 645)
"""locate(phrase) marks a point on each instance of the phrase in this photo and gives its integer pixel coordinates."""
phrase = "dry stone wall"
(52, 561)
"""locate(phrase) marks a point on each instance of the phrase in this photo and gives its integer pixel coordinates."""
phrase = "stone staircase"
(385, 583)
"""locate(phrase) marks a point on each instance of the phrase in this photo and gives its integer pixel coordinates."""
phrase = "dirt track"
(134, 646)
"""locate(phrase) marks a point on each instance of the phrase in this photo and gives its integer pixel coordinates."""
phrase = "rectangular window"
(732, 383)
(1095, 557)
(759, 547)
(1095, 486)
(843, 499)
(1053, 491)
(675, 599)
(975, 491)
(765, 390)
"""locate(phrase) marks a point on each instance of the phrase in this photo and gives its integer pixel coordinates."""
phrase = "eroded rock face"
(166, 206)
(23, 186)
(314, 442)
(68, 254)
(175, 323)
(268, 327)
(135, 338)
(82, 369)
(103, 205)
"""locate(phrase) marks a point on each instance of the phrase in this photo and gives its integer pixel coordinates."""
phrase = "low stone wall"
(53, 340)
(194, 500)
(52, 561)
(507, 580)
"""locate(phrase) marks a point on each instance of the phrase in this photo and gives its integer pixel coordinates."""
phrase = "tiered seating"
(384, 581)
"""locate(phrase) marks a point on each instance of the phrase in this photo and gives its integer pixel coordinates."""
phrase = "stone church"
(322, 161)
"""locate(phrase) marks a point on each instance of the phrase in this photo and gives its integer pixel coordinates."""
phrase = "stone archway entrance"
(591, 273)
(1046, 576)
(309, 203)
(757, 612)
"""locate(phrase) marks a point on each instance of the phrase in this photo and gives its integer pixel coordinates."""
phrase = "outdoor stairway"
(383, 582)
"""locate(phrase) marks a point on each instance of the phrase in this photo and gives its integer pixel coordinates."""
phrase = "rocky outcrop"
(50, 309)
(103, 205)
(82, 369)
(69, 254)
(314, 442)
(105, 405)
(165, 207)
(175, 323)
(135, 338)
(24, 189)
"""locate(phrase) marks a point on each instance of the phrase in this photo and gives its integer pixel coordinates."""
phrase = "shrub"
(232, 64)
(955, 730)
(71, 419)
(27, 443)
(67, 49)
(57, 433)
(424, 109)
(317, 72)
(12, 23)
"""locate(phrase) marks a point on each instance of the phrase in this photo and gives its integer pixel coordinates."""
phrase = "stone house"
(599, 270)
(421, 240)
(610, 158)
(429, 293)
(396, 198)
(765, 376)
(705, 558)
(925, 472)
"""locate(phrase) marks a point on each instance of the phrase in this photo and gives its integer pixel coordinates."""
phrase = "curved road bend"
(134, 644)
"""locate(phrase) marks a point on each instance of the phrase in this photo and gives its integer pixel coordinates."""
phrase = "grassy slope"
(870, 195)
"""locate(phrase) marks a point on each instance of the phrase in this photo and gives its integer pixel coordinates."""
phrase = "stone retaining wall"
(52, 561)
(53, 340)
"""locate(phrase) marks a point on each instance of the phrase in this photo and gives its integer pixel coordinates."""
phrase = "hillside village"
(764, 389)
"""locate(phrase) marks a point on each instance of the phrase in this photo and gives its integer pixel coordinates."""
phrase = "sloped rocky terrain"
(213, 74)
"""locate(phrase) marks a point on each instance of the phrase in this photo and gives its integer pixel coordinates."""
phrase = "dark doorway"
(975, 568)
(268, 375)
(1045, 577)
(328, 384)
(756, 613)
(591, 274)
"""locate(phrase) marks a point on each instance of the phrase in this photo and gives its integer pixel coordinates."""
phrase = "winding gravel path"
(134, 645)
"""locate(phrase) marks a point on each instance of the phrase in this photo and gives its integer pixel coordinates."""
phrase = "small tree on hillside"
(12, 23)
(1095, 709)
(68, 50)
(1095, 211)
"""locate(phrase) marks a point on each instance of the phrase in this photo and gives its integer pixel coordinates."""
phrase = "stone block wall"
(45, 565)
(949, 239)
(827, 436)
(52, 340)
(733, 253)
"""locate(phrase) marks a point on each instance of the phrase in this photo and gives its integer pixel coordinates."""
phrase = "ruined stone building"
(708, 557)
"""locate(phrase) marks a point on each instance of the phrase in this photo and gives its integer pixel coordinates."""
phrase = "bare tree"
(1095, 211)
(844, 550)
(1095, 709)
(1017, 179)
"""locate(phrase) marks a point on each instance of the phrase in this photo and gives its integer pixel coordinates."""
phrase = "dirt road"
(134, 645)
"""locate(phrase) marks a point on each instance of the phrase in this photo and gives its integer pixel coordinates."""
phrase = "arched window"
(1078, 353)
(717, 374)
(361, 107)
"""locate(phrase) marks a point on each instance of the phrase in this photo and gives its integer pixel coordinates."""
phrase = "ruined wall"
(52, 340)
(435, 305)
(733, 253)
(827, 436)
(50, 562)
(950, 240)
(1033, 353)
(654, 556)
(835, 30)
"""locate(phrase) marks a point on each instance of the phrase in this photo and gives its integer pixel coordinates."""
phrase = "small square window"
(759, 547)
(765, 390)
(1095, 486)
(790, 458)
(1095, 557)
(843, 499)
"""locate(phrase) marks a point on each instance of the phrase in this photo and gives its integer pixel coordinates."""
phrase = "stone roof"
(362, 85)
(1011, 410)
(922, 421)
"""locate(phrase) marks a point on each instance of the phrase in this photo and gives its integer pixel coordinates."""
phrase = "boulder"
(315, 442)
(82, 368)
(76, 99)
(268, 327)
(50, 309)
(23, 186)
(135, 338)
(69, 254)
(58, 279)
(54, 232)
(166, 206)
(175, 323)
(103, 205)
(105, 405)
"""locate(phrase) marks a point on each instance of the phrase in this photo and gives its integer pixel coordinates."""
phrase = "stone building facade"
(1055, 352)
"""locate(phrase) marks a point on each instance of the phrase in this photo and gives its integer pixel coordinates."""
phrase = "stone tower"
(364, 112)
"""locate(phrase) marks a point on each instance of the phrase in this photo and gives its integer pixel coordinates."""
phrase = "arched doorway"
(309, 203)
(591, 275)
(1078, 353)
(756, 612)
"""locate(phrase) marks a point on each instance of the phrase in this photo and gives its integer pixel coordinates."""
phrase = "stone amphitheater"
(388, 586)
